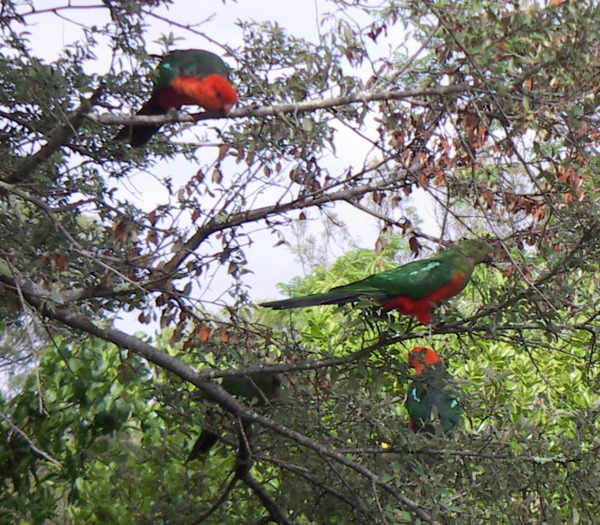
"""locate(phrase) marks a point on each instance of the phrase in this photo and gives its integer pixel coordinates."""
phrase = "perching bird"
(259, 388)
(412, 289)
(433, 398)
(191, 76)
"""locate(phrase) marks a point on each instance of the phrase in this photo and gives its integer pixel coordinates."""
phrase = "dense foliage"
(486, 113)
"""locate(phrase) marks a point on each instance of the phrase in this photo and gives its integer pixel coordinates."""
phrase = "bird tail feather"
(139, 136)
(204, 443)
(334, 297)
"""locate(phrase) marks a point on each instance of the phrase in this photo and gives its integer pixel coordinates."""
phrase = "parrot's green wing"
(416, 279)
(259, 387)
(420, 278)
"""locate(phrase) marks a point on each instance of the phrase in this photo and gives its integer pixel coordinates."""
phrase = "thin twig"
(30, 442)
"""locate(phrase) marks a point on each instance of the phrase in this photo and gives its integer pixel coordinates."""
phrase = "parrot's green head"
(476, 249)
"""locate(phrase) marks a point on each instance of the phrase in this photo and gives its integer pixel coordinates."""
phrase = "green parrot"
(433, 398)
(191, 76)
(259, 388)
(412, 289)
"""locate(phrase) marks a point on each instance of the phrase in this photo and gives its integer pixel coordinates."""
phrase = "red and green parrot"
(412, 289)
(259, 388)
(433, 398)
(185, 77)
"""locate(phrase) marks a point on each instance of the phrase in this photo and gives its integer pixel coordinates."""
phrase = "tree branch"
(563, 460)
(214, 392)
(220, 223)
(30, 442)
(275, 512)
(304, 473)
(222, 498)
(281, 109)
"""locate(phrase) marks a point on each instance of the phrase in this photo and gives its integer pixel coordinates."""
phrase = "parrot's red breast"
(422, 308)
(214, 93)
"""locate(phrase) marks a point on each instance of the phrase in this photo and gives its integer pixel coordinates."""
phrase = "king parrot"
(432, 400)
(412, 289)
(191, 76)
(259, 388)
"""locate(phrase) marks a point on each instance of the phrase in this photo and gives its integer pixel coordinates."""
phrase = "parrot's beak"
(494, 265)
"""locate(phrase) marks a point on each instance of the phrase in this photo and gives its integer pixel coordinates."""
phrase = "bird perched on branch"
(413, 289)
(259, 388)
(433, 398)
(184, 77)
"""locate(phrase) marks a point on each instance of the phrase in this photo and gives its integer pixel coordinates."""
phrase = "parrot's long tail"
(333, 297)
(139, 136)
(204, 443)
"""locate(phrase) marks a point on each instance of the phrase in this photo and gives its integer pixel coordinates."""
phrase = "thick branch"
(220, 223)
(275, 512)
(281, 109)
